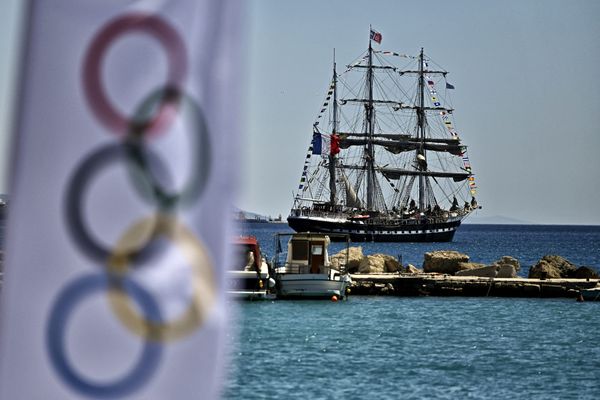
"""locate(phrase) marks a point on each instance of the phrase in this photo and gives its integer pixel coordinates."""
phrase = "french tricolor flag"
(325, 144)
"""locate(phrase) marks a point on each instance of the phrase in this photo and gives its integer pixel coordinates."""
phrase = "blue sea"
(426, 347)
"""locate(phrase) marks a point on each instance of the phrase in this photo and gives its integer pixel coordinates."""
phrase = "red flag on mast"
(335, 144)
(376, 36)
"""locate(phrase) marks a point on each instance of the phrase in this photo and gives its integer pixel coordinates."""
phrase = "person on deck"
(249, 262)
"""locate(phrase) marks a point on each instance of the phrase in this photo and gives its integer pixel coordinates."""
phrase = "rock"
(374, 264)
(567, 269)
(444, 262)
(584, 272)
(411, 269)
(355, 255)
(544, 270)
(378, 264)
(490, 271)
(508, 260)
(507, 271)
(552, 267)
(391, 263)
(465, 266)
(475, 269)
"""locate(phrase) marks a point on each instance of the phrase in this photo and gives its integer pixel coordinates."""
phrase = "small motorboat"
(249, 279)
(592, 294)
(305, 269)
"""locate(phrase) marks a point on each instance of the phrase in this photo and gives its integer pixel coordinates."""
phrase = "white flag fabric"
(123, 171)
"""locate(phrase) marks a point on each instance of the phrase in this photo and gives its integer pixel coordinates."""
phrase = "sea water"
(483, 243)
(426, 347)
(416, 348)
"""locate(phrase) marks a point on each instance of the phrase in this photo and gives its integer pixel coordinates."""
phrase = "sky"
(526, 99)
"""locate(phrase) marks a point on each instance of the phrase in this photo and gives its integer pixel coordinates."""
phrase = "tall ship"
(386, 161)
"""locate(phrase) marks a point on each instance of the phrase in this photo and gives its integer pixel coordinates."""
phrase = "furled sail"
(351, 197)
(398, 146)
(396, 173)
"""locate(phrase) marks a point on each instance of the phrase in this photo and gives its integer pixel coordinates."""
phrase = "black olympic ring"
(92, 71)
(78, 186)
(201, 159)
(62, 308)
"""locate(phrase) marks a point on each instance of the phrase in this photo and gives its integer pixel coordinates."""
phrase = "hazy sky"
(527, 100)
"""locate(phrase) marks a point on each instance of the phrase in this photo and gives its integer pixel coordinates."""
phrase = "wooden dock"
(470, 286)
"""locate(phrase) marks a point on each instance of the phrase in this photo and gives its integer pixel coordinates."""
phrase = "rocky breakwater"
(359, 264)
(557, 267)
(363, 264)
(458, 264)
(450, 273)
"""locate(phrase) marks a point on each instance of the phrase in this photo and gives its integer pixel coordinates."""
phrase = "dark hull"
(366, 232)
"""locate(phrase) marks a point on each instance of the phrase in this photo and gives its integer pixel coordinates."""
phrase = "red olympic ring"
(95, 93)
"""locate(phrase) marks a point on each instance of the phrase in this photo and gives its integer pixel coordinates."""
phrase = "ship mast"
(421, 158)
(370, 156)
(332, 157)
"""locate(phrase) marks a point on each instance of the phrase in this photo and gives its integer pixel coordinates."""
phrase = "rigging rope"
(448, 123)
(326, 102)
(306, 164)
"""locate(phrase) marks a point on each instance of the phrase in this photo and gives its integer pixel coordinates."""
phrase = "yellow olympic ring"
(204, 285)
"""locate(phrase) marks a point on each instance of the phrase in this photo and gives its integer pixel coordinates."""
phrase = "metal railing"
(306, 269)
(399, 220)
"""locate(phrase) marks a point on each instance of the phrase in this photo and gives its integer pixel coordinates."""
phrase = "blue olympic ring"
(55, 339)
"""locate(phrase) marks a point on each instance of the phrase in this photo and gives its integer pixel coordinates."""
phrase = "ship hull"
(315, 286)
(361, 231)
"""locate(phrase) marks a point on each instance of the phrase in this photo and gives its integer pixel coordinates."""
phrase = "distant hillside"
(248, 215)
(244, 215)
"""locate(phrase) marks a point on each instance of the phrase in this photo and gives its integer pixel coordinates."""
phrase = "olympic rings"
(75, 194)
(204, 292)
(139, 242)
(201, 159)
(92, 70)
(55, 339)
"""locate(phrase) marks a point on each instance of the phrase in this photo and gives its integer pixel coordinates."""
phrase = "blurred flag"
(123, 172)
